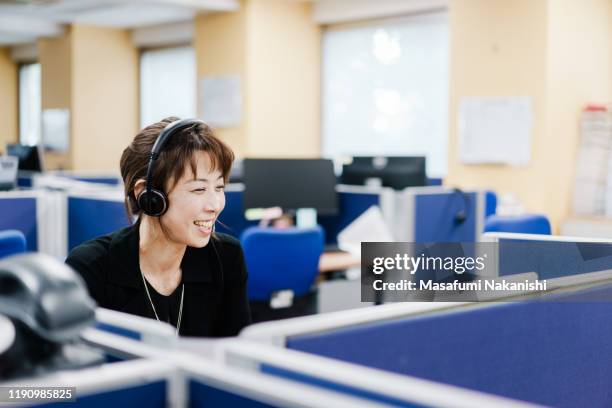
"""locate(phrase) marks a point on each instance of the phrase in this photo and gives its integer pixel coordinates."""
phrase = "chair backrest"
(12, 242)
(490, 203)
(281, 259)
(527, 224)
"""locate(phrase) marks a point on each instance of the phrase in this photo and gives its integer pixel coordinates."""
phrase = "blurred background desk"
(338, 261)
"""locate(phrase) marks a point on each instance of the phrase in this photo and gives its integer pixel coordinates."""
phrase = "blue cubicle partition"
(352, 202)
(231, 220)
(90, 216)
(551, 256)
(554, 350)
(152, 394)
(124, 384)
(20, 212)
(147, 331)
(439, 214)
(24, 181)
(434, 181)
(108, 179)
(197, 379)
(355, 380)
(490, 203)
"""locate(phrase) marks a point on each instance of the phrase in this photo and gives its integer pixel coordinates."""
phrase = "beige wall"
(104, 96)
(275, 46)
(8, 99)
(283, 89)
(54, 55)
(220, 44)
(535, 48)
(579, 71)
(93, 72)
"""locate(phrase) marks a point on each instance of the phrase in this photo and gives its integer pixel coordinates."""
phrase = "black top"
(215, 278)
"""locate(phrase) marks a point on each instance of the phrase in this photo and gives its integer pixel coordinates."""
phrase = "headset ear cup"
(154, 203)
(460, 217)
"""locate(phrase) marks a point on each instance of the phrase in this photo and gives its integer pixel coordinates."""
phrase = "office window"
(29, 104)
(167, 84)
(385, 89)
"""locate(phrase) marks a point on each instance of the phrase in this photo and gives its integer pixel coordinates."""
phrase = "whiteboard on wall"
(221, 100)
(56, 129)
(495, 130)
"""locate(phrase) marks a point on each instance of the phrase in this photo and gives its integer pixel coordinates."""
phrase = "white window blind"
(385, 90)
(167, 84)
(29, 104)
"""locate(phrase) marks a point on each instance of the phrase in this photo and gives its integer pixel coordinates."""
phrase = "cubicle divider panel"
(19, 211)
(205, 395)
(554, 351)
(336, 386)
(144, 383)
(232, 220)
(448, 216)
(149, 395)
(52, 223)
(371, 384)
(553, 259)
(352, 202)
(96, 177)
(93, 216)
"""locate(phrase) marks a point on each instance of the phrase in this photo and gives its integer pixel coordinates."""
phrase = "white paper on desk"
(495, 130)
(368, 227)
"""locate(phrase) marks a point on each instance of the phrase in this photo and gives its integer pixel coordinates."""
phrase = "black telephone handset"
(48, 306)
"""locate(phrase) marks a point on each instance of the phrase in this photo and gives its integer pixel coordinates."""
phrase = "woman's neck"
(159, 256)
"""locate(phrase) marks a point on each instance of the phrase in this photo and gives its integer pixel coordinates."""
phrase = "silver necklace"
(180, 315)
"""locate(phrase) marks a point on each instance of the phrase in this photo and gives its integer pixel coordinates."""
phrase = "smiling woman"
(171, 265)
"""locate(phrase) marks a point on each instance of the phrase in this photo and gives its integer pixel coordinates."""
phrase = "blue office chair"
(279, 260)
(12, 242)
(526, 224)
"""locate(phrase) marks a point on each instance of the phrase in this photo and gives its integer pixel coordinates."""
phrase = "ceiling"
(23, 21)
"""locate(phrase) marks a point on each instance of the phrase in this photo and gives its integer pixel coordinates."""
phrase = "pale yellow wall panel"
(283, 91)
(104, 96)
(579, 72)
(220, 46)
(8, 99)
(555, 51)
(55, 57)
(498, 49)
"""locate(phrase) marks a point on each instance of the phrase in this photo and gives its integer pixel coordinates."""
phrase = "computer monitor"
(30, 157)
(395, 172)
(290, 184)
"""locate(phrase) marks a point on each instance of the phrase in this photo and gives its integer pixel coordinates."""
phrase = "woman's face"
(194, 204)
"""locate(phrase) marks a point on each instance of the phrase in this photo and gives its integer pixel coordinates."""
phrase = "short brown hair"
(176, 155)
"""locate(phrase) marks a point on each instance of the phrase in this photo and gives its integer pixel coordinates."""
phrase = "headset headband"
(165, 134)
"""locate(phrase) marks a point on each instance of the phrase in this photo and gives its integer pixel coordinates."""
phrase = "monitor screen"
(395, 172)
(290, 184)
(30, 157)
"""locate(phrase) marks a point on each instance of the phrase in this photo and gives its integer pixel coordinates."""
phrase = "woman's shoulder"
(91, 250)
(94, 250)
(226, 240)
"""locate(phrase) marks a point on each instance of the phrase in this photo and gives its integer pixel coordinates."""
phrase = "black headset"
(463, 214)
(153, 201)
